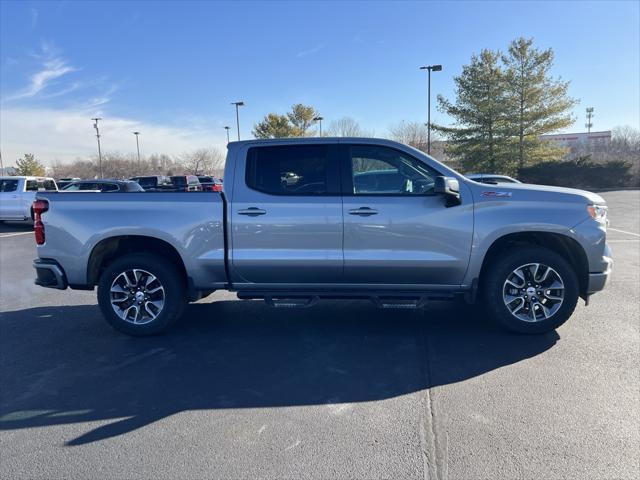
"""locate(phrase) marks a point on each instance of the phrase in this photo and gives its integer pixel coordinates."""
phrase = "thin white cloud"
(66, 134)
(53, 67)
(311, 51)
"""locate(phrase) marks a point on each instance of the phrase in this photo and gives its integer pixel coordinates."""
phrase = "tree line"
(203, 161)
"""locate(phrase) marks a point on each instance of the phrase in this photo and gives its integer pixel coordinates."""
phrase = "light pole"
(238, 104)
(430, 68)
(319, 119)
(95, 125)
(227, 128)
(138, 148)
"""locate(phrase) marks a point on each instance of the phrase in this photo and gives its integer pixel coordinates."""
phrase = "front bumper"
(49, 274)
(598, 280)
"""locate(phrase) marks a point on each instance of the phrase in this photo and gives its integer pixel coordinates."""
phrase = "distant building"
(581, 141)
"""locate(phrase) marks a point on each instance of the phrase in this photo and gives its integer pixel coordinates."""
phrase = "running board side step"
(295, 302)
(387, 300)
(400, 303)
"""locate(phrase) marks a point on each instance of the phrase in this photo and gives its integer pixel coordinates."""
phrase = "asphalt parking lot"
(339, 390)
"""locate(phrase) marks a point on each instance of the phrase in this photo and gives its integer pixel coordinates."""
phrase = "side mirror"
(449, 187)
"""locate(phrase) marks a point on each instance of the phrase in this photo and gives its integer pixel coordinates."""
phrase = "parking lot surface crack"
(433, 446)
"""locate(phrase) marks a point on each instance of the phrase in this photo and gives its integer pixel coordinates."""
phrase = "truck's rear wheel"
(530, 290)
(141, 294)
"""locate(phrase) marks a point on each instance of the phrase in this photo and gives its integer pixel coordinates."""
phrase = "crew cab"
(306, 219)
(18, 193)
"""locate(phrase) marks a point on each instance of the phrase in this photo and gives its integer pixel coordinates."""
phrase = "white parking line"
(623, 231)
(6, 235)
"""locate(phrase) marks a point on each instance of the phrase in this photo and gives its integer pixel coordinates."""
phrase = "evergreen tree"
(302, 118)
(480, 140)
(274, 126)
(295, 123)
(28, 165)
(537, 102)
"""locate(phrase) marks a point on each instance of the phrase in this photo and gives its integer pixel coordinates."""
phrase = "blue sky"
(170, 69)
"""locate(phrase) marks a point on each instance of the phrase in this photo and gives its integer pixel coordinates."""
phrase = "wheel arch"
(564, 245)
(105, 251)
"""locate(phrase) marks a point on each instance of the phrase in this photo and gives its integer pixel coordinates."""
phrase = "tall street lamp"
(138, 148)
(238, 104)
(430, 68)
(227, 128)
(95, 125)
(319, 119)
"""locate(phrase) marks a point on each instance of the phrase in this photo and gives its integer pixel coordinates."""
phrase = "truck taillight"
(39, 207)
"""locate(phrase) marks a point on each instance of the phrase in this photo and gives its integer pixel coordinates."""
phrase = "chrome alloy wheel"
(533, 292)
(137, 296)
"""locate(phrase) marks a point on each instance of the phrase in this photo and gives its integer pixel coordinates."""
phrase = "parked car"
(63, 182)
(153, 183)
(210, 184)
(18, 193)
(111, 186)
(527, 252)
(492, 178)
(186, 183)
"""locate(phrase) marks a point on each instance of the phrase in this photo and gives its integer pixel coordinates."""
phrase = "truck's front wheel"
(530, 290)
(141, 294)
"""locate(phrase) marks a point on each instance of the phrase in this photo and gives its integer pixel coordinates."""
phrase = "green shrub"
(580, 173)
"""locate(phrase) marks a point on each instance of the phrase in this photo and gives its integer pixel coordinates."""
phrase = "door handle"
(252, 211)
(363, 211)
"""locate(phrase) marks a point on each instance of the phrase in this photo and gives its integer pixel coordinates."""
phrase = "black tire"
(494, 279)
(168, 277)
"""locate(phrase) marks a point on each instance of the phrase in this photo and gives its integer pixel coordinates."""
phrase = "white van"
(18, 193)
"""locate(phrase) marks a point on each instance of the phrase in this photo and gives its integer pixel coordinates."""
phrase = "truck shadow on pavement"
(63, 365)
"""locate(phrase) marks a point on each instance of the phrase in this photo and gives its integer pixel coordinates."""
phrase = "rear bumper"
(597, 281)
(49, 274)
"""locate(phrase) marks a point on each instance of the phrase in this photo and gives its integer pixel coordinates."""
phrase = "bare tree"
(410, 133)
(626, 139)
(345, 127)
(116, 165)
(203, 161)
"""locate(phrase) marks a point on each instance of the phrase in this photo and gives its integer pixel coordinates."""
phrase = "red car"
(210, 184)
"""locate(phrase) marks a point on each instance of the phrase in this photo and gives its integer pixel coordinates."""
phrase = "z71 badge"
(496, 194)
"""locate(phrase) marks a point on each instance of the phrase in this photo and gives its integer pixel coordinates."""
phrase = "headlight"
(598, 212)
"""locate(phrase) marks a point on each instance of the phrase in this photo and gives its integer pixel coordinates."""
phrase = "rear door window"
(292, 170)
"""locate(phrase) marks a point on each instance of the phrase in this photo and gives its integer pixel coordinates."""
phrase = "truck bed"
(192, 223)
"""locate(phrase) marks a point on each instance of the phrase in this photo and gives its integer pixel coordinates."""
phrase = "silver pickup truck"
(305, 219)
